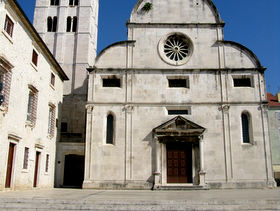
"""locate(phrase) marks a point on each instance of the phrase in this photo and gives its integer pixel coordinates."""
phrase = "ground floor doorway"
(179, 163)
(10, 164)
(36, 170)
(74, 170)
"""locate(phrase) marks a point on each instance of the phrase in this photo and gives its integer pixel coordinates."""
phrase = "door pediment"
(179, 128)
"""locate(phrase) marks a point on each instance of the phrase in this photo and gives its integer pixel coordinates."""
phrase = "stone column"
(157, 173)
(88, 149)
(202, 172)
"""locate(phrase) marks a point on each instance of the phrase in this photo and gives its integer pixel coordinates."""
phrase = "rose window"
(175, 49)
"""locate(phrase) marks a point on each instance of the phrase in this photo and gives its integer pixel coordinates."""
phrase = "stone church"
(175, 105)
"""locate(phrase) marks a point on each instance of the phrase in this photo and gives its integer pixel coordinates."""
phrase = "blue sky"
(253, 23)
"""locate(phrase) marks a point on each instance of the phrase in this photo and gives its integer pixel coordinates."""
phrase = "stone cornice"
(174, 25)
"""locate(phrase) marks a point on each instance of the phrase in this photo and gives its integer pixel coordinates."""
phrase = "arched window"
(246, 123)
(52, 23)
(110, 129)
(54, 2)
(76, 2)
(74, 27)
(68, 25)
(49, 24)
(71, 2)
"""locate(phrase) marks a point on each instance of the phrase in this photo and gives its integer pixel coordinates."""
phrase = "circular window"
(175, 49)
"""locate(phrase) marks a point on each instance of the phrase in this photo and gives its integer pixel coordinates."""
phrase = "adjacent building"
(31, 90)
(69, 29)
(177, 105)
(274, 131)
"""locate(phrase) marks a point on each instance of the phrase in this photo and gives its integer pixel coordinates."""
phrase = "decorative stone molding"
(263, 107)
(89, 108)
(129, 108)
(224, 108)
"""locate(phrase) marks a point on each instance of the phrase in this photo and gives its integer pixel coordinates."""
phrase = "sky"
(252, 23)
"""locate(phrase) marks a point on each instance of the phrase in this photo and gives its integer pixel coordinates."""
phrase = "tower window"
(68, 27)
(71, 24)
(52, 24)
(75, 20)
(110, 129)
(73, 2)
(55, 2)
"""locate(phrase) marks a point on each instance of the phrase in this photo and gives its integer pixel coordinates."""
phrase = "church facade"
(177, 105)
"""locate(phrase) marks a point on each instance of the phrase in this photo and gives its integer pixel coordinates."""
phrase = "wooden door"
(179, 163)
(10, 165)
(37, 159)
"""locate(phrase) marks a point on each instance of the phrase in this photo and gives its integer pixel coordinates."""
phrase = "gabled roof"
(272, 100)
(178, 127)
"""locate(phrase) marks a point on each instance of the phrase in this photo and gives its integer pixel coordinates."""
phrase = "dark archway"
(74, 171)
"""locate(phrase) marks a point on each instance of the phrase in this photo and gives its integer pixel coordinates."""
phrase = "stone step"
(183, 188)
(96, 205)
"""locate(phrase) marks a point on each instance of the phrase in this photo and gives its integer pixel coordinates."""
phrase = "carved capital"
(89, 108)
(129, 108)
(263, 107)
(224, 108)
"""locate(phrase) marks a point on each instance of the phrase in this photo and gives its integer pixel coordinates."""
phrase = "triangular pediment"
(179, 127)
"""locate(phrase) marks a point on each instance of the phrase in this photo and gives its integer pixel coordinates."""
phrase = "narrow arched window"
(76, 2)
(68, 25)
(74, 27)
(110, 129)
(245, 118)
(50, 22)
(54, 24)
(52, 2)
(57, 2)
(71, 2)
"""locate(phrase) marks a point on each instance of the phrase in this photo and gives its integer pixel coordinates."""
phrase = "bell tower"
(69, 29)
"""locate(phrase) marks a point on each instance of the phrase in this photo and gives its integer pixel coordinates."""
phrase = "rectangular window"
(47, 163)
(32, 105)
(242, 81)
(178, 82)
(25, 159)
(178, 112)
(111, 82)
(9, 26)
(52, 79)
(64, 128)
(51, 121)
(5, 83)
(35, 57)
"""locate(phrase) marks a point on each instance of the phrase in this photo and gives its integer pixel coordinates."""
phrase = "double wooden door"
(179, 163)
